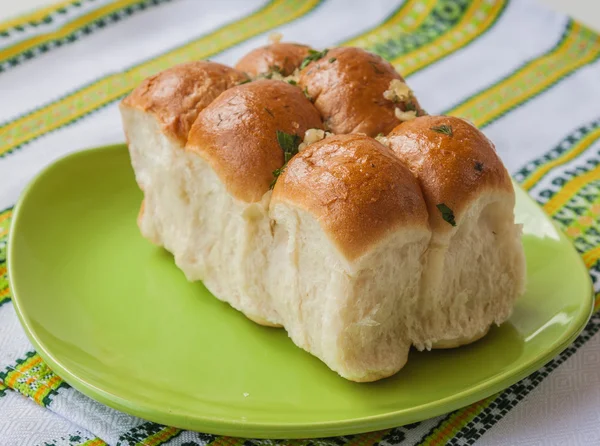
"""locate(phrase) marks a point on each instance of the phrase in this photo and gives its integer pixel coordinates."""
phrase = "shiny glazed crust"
(237, 133)
(347, 86)
(281, 57)
(452, 169)
(357, 189)
(176, 96)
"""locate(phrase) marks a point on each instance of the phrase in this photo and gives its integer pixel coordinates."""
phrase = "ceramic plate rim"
(219, 426)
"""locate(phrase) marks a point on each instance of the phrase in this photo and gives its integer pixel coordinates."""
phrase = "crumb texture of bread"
(350, 237)
(309, 190)
(476, 267)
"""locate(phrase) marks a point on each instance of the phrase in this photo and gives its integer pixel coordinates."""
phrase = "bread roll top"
(347, 86)
(237, 133)
(176, 96)
(282, 58)
(453, 161)
(357, 189)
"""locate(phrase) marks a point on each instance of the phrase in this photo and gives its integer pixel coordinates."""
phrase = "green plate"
(114, 317)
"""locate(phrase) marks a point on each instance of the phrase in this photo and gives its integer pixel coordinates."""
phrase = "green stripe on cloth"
(578, 47)
(94, 442)
(408, 17)
(3, 389)
(72, 31)
(568, 149)
(111, 88)
(5, 218)
(37, 17)
(451, 26)
(31, 377)
(149, 434)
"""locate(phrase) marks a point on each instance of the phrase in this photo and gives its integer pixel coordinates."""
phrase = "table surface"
(586, 11)
(561, 406)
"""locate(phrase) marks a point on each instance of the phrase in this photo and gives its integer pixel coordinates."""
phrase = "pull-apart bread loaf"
(266, 183)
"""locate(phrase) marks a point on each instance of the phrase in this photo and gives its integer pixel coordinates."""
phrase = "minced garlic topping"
(397, 91)
(275, 37)
(311, 136)
(382, 139)
(405, 115)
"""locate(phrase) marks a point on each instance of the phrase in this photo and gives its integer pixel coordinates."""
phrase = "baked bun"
(157, 117)
(350, 234)
(175, 96)
(359, 247)
(475, 264)
(281, 58)
(237, 133)
(207, 201)
(357, 92)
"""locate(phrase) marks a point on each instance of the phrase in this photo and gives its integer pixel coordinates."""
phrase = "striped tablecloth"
(529, 77)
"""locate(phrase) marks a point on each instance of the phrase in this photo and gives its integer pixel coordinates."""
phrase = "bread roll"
(348, 86)
(475, 263)
(350, 234)
(281, 58)
(157, 117)
(209, 200)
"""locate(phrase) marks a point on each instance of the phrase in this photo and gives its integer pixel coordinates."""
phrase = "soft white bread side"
(475, 263)
(207, 201)
(233, 151)
(350, 235)
(157, 117)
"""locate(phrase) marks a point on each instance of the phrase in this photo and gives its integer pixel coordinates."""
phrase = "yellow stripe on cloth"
(65, 30)
(35, 16)
(112, 87)
(228, 441)
(459, 419)
(165, 434)
(577, 150)
(408, 17)
(480, 16)
(94, 442)
(577, 48)
(570, 189)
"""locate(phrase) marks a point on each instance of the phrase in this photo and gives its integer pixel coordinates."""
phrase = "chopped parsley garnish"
(245, 81)
(332, 60)
(292, 82)
(445, 129)
(308, 96)
(447, 213)
(289, 144)
(312, 56)
(269, 112)
(410, 106)
(478, 166)
(376, 68)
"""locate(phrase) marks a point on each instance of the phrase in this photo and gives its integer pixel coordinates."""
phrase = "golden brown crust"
(176, 96)
(357, 189)
(281, 57)
(347, 87)
(451, 169)
(237, 133)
